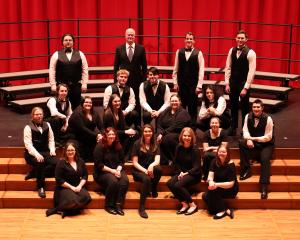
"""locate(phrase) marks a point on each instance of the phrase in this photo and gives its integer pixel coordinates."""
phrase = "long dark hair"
(153, 144)
(218, 160)
(116, 145)
(82, 102)
(216, 96)
(110, 108)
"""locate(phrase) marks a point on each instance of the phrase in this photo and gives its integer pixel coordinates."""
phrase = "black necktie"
(39, 125)
(240, 49)
(153, 84)
(188, 49)
(122, 87)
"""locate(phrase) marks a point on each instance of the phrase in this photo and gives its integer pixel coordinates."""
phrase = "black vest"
(261, 127)
(40, 140)
(125, 95)
(188, 70)
(47, 112)
(68, 71)
(239, 67)
(157, 100)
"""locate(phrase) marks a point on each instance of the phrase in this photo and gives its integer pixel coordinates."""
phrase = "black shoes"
(119, 210)
(246, 174)
(143, 213)
(182, 211)
(111, 210)
(190, 212)
(154, 194)
(231, 213)
(264, 191)
(41, 193)
(29, 175)
(51, 211)
(216, 217)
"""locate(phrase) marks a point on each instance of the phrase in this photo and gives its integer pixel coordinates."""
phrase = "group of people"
(166, 138)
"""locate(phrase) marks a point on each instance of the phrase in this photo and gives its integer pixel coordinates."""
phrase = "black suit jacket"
(137, 67)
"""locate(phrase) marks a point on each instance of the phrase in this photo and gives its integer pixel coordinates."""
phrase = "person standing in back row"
(239, 74)
(188, 74)
(69, 66)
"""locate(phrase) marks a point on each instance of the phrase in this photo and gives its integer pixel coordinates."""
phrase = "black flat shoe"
(119, 211)
(182, 211)
(219, 217)
(111, 210)
(231, 213)
(51, 211)
(264, 191)
(191, 212)
(245, 175)
(154, 194)
(29, 175)
(143, 213)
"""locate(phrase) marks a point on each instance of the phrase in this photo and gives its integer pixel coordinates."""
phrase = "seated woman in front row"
(146, 159)
(222, 183)
(109, 172)
(114, 117)
(213, 105)
(212, 139)
(187, 171)
(70, 195)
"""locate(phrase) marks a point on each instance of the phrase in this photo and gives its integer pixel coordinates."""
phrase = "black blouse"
(107, 157)
(187, 160)
(225, 173)
(144, 158)
(214, 142)
(64, 172)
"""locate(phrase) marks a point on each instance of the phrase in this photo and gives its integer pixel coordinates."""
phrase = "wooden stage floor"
(32, 224)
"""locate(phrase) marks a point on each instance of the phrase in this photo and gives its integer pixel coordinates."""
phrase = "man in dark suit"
(132, 57)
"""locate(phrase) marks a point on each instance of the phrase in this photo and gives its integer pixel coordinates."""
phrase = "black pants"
(207, 159)
(179, 188)
(74, 94)
(189, 100)
(215, 198)
(148, 184)
(115, 188)
(147, 117)
(42, 169)
(56, 125)
(167, 147)
(133, 118)
(234, 97)
(264, 151)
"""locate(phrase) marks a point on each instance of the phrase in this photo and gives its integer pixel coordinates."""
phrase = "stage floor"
(287, 121)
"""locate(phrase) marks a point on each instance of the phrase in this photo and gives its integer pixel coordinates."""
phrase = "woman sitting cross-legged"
(146, 158)
(70, 195)
(109, 172)
(222, 183)
(212, 139)
(187, 171)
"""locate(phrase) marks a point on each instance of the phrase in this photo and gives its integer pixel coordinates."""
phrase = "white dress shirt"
(203, 114)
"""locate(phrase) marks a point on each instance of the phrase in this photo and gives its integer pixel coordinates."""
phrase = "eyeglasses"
(70, 150)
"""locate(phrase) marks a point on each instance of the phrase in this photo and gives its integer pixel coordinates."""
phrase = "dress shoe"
(41, 193)
(190, 212)
(264, 192)
(51, 211)
(154, 194)
(111, 210)
(245, 175)
(63, 214)
(143, 213)
(29, 175)
(119, 210)
(231, 132)
(219, 216)
(182, 211)
(231, 213)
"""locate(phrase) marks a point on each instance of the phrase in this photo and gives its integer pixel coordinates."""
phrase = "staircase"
(284, 187)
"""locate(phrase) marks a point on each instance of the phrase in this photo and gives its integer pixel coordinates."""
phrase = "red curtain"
(268, 41)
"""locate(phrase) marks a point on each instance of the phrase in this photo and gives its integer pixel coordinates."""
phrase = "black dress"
(215, 198)
(169, 126)
(115, 188)
(145, 159)
(65, 198)
(84, 132)
(186, 160)
(208, 156)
